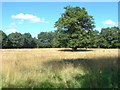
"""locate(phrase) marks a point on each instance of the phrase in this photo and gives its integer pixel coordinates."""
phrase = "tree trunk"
(74, 49)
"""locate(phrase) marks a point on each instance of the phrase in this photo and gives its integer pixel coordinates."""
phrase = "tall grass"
(59, 68)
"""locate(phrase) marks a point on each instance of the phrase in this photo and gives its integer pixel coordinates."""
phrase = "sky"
(60, 0)
(36, 17)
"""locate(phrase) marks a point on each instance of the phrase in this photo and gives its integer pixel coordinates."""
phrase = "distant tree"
(115, 38)
(94, 39)
(4, 41)
(110, 37)
(45, 39)
(16, 39)
(106, 38)
(28, 41)
(35, 42)
(73, 28)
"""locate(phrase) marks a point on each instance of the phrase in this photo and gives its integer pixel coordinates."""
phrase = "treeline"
(107, 38)
(75, 29)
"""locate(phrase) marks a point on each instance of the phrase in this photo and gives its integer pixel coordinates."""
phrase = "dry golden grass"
(34, 65)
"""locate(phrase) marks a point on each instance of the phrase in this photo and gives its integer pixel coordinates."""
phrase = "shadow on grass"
(90, 65)
(78, 50)
(100, 72)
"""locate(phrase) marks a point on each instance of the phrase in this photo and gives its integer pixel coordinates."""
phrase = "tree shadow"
(100, 72)
(78, 50)
(90, 65)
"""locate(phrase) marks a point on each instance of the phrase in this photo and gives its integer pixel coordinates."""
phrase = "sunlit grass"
(56, 68)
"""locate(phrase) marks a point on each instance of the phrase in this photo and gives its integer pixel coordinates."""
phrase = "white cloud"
(109, 22)
(30, 17)
(11, 30)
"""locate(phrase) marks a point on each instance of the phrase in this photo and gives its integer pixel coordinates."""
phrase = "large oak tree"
(73, 27)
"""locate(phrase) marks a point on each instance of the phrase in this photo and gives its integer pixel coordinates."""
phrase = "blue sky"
(60, 0)
(36, 17)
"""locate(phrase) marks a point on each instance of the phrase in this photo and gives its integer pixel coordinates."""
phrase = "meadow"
(59, 68)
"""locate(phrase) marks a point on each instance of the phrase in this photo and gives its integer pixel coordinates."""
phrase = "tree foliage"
(110, 37)
(74, 26)
(106, 38)
(16, 39)
(4, 40)
(29, 42)
(45, 39)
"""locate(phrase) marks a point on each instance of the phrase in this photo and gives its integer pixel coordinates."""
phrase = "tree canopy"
(45, 39)
(74, 26)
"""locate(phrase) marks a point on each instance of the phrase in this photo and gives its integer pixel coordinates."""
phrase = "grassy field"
(59, 68)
